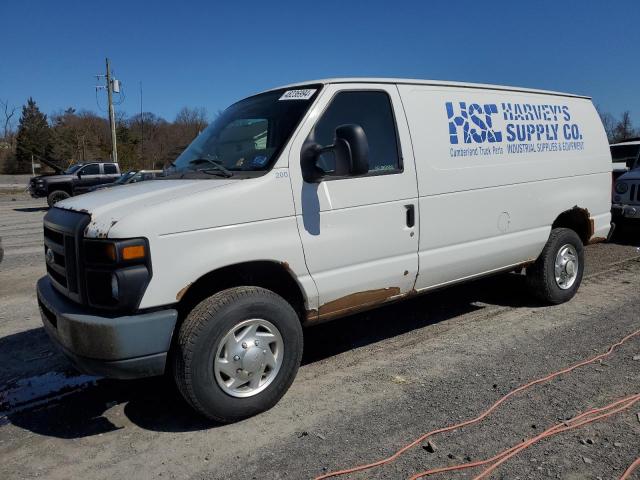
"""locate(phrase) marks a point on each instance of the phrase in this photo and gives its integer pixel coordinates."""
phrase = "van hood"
(109, 206)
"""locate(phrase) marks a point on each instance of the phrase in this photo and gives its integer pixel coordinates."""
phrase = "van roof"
(411, 81)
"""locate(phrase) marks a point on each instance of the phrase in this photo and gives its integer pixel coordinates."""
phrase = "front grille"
(63, 230)
(634, 193)
(54, 236)
(61, 261)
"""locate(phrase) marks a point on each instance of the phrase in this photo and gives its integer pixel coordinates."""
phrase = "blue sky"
(213, 53)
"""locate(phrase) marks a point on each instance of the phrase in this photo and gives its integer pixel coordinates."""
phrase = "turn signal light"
(110, 250)
(133, 252)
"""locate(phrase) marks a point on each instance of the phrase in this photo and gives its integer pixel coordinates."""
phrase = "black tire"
(200, 335)
(56, 196)
(541, 275)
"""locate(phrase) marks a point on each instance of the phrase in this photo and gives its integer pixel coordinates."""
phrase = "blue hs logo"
(475, 121)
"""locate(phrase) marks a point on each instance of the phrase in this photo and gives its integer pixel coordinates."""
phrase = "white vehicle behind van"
(625, 156)
(311, 202)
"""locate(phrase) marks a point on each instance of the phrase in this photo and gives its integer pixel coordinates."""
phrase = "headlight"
(116, 271)
(621, 187)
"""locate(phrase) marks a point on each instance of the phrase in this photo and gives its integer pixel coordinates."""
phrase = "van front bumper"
(625, 211)
(125, 347)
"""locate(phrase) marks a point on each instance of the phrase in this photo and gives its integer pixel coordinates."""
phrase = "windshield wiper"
(217, 167)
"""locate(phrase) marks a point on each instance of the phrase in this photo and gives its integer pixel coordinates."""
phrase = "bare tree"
(8, 113)
(608, 122)
(624, 128)
(191, 121)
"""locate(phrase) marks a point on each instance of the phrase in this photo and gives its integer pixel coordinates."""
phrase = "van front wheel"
(237, 353)
(556, 274)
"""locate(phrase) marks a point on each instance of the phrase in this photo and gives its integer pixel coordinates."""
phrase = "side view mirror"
(350, 149)
(79, 174)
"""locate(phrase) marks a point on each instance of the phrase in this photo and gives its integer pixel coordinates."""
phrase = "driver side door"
(86, 177)
(359, 233)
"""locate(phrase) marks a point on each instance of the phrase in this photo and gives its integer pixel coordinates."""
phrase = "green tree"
(34, 137)
(64, 142)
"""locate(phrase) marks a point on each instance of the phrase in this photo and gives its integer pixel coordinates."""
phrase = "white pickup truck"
(311, 202)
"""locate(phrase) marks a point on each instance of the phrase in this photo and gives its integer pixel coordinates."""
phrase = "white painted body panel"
(353, 230)
(485, 212)
(197, 226)
(343, 237)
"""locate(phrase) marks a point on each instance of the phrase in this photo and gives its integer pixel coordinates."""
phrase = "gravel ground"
(368, 385)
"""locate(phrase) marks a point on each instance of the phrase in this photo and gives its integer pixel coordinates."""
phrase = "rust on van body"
(182, 291)
(354, 302)
(597, 240)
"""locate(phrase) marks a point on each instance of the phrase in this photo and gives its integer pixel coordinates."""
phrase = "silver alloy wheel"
(249, 358)
(566, 266)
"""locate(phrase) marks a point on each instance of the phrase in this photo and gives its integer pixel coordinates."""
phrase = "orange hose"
(477, 419)
(508, 453)
(559, 429)
(627, 473)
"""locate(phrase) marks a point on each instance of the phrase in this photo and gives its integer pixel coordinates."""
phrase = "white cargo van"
(311, 202)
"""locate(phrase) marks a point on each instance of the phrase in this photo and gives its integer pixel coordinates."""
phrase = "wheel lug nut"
(236, 358)
(239, 370)
(257, 343)
(244, 344)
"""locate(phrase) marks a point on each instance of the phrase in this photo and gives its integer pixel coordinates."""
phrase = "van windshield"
(625, 153)
(247, 136)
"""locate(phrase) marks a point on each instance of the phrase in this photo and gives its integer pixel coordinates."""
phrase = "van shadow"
(156, 405)
(627, 233)
(31, 209)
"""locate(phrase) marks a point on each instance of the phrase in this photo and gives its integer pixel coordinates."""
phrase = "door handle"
(411, 215)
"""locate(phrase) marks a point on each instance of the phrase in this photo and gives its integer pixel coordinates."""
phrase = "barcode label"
(304, 94)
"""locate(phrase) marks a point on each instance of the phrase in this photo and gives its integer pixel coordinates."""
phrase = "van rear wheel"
(557, 273)
(237, 353)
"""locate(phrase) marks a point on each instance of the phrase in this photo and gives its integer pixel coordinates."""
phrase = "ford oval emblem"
(48, 255)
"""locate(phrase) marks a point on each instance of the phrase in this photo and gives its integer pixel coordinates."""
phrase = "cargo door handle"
(411, 215)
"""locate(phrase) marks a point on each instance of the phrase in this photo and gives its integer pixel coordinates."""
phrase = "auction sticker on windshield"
(304, 94)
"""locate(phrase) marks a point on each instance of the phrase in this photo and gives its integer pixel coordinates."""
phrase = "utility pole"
(141, 126)
(112, 115)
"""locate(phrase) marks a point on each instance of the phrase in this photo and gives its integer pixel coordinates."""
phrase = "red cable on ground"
(627, 473)
(556, 430)
(481, 416)
(501, 457)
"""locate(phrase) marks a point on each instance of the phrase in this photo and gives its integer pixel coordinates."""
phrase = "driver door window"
(93, 169)
(372, 111)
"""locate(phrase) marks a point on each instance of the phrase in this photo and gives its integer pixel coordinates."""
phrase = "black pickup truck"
(76, 179)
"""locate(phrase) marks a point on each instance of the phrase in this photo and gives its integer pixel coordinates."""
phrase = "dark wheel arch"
(271, 275)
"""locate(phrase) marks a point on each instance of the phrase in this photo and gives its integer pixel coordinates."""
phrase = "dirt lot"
(369, 384)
